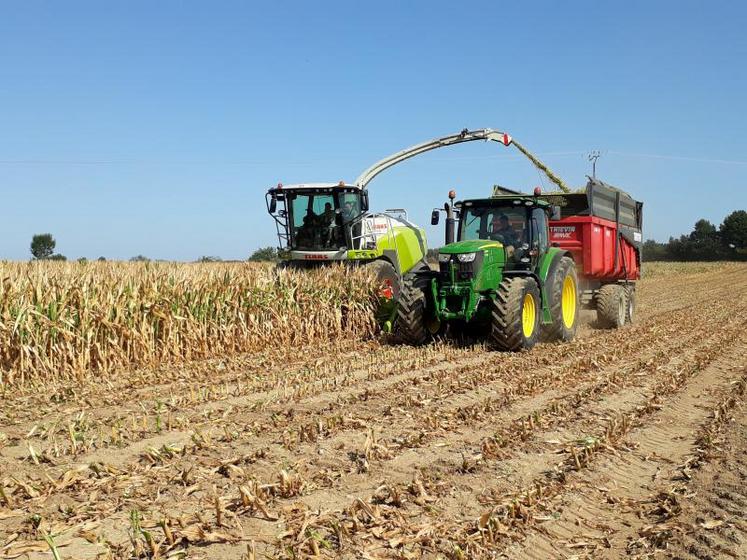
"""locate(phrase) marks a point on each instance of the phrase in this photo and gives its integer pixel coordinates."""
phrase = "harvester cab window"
(314, 221)
(350, 206)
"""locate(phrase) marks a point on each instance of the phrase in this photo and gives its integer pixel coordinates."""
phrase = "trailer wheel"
(611, 306)
(415, 324)
(562, 293)
(515, 318)
(630, 307)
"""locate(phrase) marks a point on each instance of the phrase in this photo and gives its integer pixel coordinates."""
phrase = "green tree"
(734, 229)
(264, 254)
(139, 258)
(58, 257)
(42, 246)
(209, 259)
(655, 251)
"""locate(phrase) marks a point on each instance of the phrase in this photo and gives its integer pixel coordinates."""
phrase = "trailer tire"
(515, 317)
(562, 294)
(415, 324)
(630, 304)
(611, 306)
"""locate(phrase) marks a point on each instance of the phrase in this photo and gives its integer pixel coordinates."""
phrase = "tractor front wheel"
(515, 318)
(611, 306)
(415, 322)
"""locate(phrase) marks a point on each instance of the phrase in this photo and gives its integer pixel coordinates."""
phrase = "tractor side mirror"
(435, 215)
(273, 205)
(555, 213)
(364, 201)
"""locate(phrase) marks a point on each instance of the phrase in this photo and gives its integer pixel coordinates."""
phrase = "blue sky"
(156, 127)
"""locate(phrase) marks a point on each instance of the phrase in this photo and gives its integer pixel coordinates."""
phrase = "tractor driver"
(501, 230)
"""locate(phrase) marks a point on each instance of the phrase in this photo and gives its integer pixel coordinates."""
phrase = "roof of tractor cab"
(504, 200)
(313, 186)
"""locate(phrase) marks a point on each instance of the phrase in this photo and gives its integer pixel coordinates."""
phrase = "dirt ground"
(628, 443)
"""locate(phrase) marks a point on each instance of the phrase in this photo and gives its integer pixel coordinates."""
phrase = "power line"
(679, 158)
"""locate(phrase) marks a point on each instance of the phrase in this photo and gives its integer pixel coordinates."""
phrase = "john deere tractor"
(497, 276)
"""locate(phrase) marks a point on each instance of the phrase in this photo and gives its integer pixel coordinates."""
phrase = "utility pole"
(593, 157)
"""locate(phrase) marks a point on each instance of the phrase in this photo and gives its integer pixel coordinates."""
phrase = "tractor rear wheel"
(611, 306)
(515, 318)
(415, 323)
(562, 292)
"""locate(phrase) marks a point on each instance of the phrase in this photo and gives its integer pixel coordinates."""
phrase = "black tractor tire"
(611, 306)
(415, 323)
(511, 311)
(562, 294)
(630, 306)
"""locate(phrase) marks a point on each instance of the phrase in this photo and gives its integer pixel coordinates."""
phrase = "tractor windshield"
(317, 218)
(507, 224)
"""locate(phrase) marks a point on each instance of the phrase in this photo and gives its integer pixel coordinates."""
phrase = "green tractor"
(499, 277)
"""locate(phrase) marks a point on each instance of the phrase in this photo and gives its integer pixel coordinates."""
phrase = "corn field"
(66, 320)
(317, 440)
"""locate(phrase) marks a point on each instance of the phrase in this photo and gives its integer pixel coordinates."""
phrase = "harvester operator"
(349, 211)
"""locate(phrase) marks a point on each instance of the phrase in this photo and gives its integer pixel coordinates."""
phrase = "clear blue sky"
(156, 127)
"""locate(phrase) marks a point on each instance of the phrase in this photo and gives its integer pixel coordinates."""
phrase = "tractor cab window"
(313, 221)
(539, 230)
(506, 224)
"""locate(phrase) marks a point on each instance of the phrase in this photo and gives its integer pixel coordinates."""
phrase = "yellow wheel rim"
(568, 303)
(528, 315)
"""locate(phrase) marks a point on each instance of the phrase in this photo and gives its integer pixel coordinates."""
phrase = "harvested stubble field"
(625, 443)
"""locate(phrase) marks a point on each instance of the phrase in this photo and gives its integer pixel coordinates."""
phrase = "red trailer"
(602, 228)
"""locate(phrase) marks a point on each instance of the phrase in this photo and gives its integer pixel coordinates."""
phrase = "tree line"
(705, 242)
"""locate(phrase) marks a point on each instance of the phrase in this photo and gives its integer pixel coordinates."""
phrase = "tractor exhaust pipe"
(450, 220)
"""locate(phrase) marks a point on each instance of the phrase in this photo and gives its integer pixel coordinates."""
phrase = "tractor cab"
(508, 230)
(314, 218)
(518, 224)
